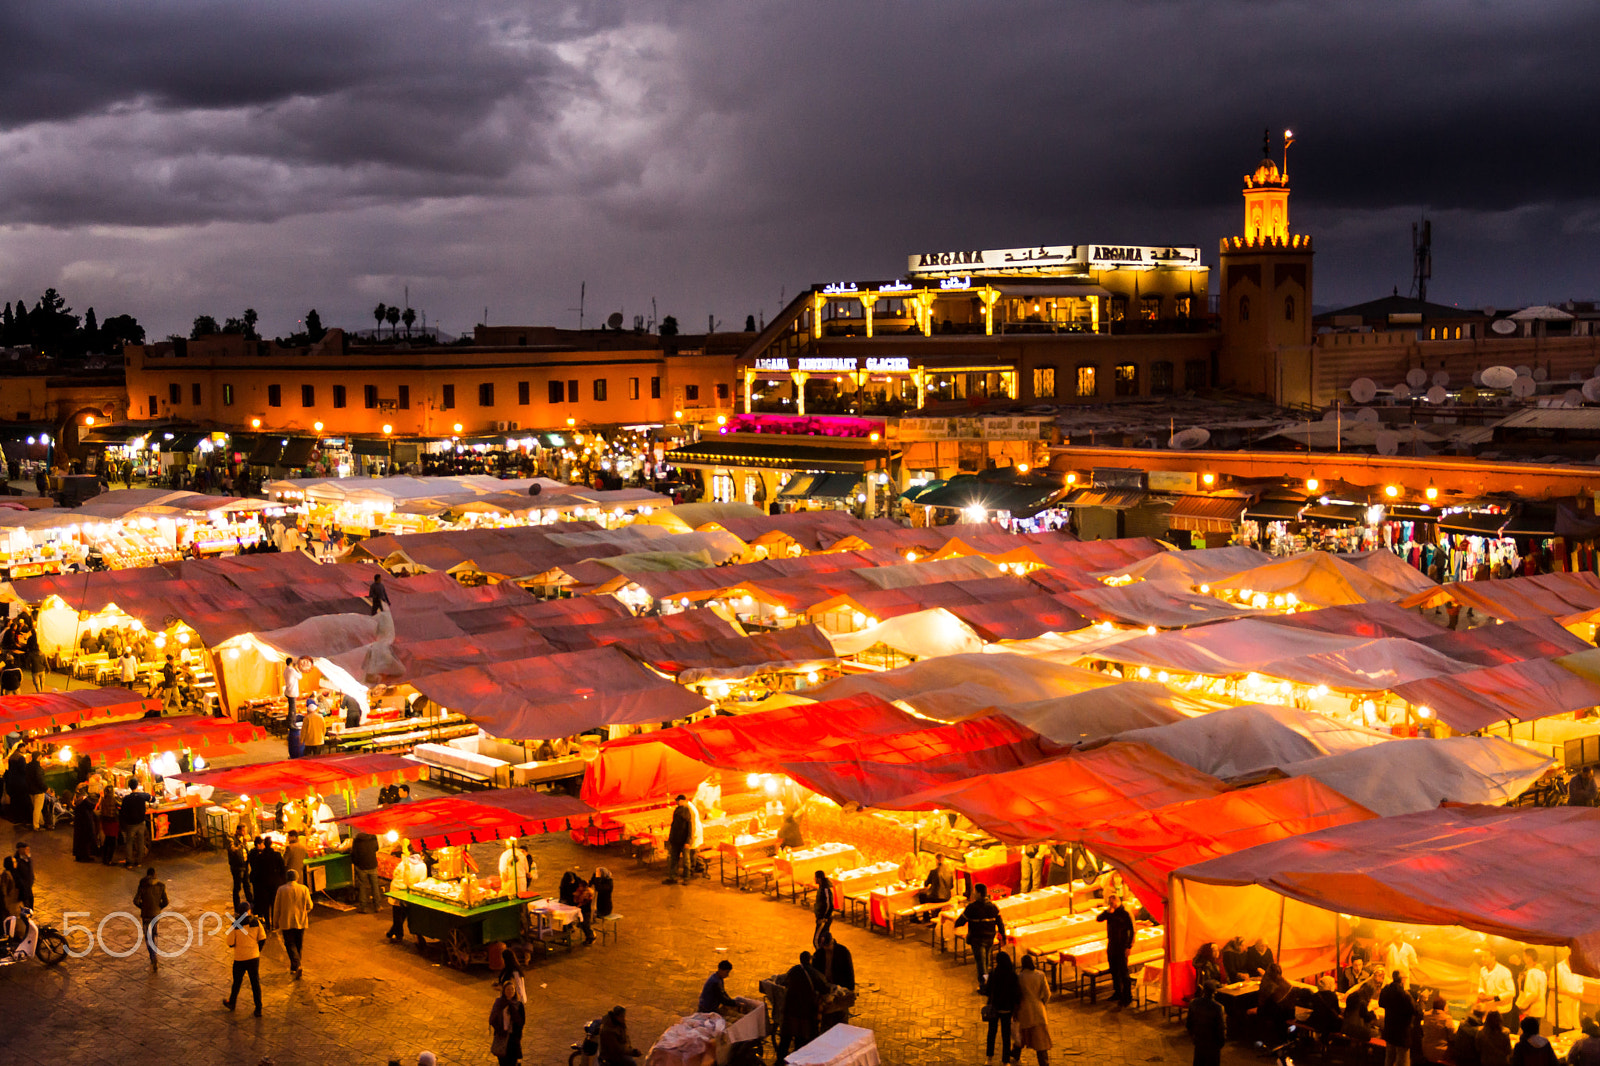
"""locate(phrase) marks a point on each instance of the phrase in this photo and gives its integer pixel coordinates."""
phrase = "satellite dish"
(1541, 373)
(1362, 390)
(1416, 377)
(1572, 398)
(1499, 377)
(1503, 326)
(1437, 394)
(1477, 376)
(1367, 414)
(1591, 389)
(615, 321)
(1401, 391)
(1387, 442)
(1331, 414)
(1185, 439)
(1524, 372)
(1523, 387)
(1469, 395)
(1441, 378)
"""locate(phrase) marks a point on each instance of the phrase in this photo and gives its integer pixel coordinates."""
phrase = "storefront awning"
(1206, 514)
(266, 451)
(780, 455)
(289, 779)
(1474, 523)
(1020, 499)
(298, 451)
(180, 442)
(44, 710)
(1335, 514)
(1111, 499)
(476, 817)
(377, 446)
(1275, 510)
(821, 487)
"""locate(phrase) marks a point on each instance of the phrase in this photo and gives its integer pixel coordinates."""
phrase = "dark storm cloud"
(711, 151)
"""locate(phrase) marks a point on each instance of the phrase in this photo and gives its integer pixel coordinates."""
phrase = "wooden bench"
(908, 916)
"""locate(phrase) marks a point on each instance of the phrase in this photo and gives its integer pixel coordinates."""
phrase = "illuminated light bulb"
(387, 429)
(1431, 493)
(1258, 600)
(572, 421)
(317, 426)
(811, 677)
(456, 427)
(66, 756)
(1208, 479)
(752, 780)
(161, 640)
(780, 611)
(1291, 599)
(1163, 677)
(770, 786)
(871, 621)
(1312, 484)
(255, 423)
(1424, 712)
(1022, 468)
(1277, 601)
(1391, 491)
(1144, 671)
(1151, 630)
(1205, 590)
(858, 619)
(911, 557)
(183, 638)
(1072, 479)
(391, 836)
(722, 420)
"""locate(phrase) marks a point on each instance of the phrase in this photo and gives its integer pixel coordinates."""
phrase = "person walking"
(37, 789)
(151, 899)
(378, 594)
(128, 667)
(135, 826)
(822, 909)
(678, 834)
(1033, 1030)
(801, 998)
(506, 1019)
(1399, 1011)
(245, 940)
(1004, 994)
(364, 864)
(239, 868)
(33, 660)
(984, 926)
(1119, 940)
(1208, 1025)
(291, 913)
(266, 875)
(107, 811)
(22, 870)
(295, 855)
(85, 827)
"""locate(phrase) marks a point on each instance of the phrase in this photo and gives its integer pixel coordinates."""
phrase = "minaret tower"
(1266, 292)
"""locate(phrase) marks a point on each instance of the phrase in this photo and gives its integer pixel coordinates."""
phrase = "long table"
(802, 866)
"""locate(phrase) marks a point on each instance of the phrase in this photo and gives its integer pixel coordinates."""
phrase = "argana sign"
(1056, 258)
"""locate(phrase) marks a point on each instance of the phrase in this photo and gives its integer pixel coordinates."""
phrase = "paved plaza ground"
(362, 1000)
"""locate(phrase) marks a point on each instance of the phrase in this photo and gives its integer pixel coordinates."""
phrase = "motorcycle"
(27, 939)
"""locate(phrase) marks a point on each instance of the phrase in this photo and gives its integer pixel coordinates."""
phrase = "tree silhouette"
(380, 313)
(749, 323)
(314, 328)
(392, 314)
(669, 326)
(408, 316)
(204, 326)
(250, 320)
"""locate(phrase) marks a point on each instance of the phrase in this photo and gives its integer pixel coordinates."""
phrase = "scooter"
(27, 939)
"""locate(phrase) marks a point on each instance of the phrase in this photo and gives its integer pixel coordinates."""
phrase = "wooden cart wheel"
(457, 950)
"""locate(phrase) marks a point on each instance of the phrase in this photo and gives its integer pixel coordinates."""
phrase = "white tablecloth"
(843, 1045)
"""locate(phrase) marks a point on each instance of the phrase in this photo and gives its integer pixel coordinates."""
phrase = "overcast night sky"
(168, 158)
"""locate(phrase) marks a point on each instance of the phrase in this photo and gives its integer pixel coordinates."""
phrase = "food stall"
(709, 1039)
(454, 903)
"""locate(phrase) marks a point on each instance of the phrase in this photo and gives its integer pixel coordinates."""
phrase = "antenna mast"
(1421, 257)
(583, 287)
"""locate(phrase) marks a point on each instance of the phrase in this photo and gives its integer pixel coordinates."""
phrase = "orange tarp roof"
(146, 736)
(291, 778)
(1146, 847)
(41, 710)
(1055, 799)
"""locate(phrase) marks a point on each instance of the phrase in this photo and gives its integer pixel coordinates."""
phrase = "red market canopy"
(651, 765)
(559, 695)
(121, 741)
(1508, 872)
(42, 710)
(1519, 691)
(878, 770)
(1147, 847)
(800, 648)
(1053, 800)
(291, 778)
(477, 817)
(1370, 620)
(1021, 618)
(1547, 595)
(1526, 638)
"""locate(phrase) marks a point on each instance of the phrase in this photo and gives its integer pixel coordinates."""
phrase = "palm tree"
(380, 313)
(408, 316)
(393, 315)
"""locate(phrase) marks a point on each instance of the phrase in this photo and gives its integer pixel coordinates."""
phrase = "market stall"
(51, 710)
